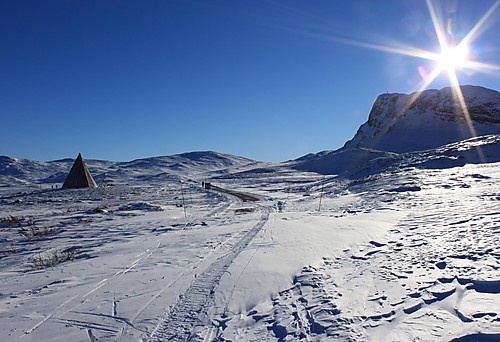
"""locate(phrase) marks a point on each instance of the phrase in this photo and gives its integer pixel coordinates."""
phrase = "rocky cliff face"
(400, 123)
(432, 118)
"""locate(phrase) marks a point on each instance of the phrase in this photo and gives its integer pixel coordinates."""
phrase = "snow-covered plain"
(402, 253)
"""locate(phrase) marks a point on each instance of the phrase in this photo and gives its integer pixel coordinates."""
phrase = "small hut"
(79, 176)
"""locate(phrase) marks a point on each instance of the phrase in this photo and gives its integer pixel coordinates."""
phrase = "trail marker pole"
(183, 202)
(321, 194)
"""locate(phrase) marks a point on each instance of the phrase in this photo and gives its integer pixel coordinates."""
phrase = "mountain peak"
(428, 119)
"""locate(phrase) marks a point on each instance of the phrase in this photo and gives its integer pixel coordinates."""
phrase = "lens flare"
(452, 58)
(448, 60)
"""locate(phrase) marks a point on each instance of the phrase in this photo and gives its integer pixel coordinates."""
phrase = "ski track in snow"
(222, 245)
(86, 297)
(92, 292)
(187, 319)
(67, 312)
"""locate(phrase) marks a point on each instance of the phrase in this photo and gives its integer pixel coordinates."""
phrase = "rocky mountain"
(420, 121)
(400, 123)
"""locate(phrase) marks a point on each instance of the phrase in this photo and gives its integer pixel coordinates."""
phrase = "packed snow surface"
(404, 249)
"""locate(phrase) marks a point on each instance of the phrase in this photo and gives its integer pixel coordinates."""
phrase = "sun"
(454, 55)
(452, 58)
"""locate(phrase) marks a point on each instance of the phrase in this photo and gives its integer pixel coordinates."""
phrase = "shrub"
(11, 221)
(52, 258)
(33, 231)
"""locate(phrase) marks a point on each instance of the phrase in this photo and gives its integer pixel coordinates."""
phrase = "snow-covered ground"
(422, 263)
(401, 253)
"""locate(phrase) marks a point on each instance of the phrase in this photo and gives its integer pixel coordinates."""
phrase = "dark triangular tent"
(79, 176)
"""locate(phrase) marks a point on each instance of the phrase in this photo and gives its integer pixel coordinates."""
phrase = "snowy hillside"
(53, 173)
(399, 124)
(435, 118)
(192, 161)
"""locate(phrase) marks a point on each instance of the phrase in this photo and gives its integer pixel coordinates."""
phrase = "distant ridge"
(153, 169)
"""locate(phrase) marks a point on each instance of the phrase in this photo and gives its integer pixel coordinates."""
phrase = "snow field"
(433, 276)
(402, 254)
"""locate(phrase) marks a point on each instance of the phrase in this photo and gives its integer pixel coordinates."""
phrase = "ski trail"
(220, 209)
(173, 282)
(188, 315)
(224, 207)
(81, 299)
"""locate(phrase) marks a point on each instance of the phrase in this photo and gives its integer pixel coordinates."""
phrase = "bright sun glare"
(452, 58)
(448, 60)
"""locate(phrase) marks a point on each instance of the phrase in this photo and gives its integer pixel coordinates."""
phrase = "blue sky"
(268, 80)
